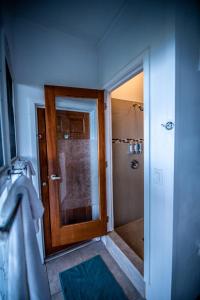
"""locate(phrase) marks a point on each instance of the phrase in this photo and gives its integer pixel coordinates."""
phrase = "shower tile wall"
(128, 183)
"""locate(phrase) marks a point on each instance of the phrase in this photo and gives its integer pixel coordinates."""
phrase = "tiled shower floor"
(133, 234)
(73, 258)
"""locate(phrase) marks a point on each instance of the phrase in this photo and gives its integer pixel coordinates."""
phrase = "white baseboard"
(125, 264)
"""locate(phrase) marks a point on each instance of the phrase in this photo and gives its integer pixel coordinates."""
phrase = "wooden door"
(76, 164)
(42, 147)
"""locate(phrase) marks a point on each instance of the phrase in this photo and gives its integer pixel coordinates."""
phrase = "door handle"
(169, 125)
(55, 177)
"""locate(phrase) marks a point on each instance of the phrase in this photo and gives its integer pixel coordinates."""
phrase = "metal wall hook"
(10, 172)
(168, 126)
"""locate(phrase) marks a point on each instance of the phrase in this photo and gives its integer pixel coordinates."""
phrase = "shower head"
(140, 106)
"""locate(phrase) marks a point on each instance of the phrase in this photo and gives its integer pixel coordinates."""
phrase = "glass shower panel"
(77, 150)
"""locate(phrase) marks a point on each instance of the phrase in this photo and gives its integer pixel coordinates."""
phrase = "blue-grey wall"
(186, 250)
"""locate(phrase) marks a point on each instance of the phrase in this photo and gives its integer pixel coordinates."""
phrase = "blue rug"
(90, 280)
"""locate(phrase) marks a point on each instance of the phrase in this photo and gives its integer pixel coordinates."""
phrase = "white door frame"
(141, 63)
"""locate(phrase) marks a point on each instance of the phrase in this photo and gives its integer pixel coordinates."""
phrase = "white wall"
(27, 97)
(46, 56)
(186, 253)
(150, 26)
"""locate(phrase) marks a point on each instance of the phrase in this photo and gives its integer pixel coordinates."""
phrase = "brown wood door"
(74, 120)
(42, 145)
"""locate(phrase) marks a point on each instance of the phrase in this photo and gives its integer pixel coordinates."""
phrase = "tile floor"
(73, 258)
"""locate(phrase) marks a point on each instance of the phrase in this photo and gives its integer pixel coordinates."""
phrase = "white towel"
(27, 276)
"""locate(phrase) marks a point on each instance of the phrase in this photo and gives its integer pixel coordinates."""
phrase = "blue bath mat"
(90, 280)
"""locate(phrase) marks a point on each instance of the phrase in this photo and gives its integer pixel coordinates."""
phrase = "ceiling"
(86, 19)
(131, 90)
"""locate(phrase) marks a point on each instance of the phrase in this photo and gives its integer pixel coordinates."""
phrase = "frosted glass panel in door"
(77, 150)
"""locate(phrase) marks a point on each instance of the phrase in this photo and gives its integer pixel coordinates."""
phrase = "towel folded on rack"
(26, 275)
(8, 208)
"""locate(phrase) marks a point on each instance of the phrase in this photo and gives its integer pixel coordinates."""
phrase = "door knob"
(169, 125)
(55, 177)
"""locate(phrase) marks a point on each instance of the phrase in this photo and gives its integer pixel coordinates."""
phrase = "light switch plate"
(158, 176)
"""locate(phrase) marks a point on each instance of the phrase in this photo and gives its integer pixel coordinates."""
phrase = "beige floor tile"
(74, 258)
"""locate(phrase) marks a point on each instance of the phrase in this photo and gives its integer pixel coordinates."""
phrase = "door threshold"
(130, 263)
(72, 249)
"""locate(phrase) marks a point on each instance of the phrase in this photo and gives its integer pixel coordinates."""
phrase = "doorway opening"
(127, 114)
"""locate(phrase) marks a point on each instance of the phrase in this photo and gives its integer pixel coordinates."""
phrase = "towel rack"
(15, 171)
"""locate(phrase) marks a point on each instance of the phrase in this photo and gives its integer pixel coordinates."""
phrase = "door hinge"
(107, 219)
(106, 164)
(105, 105)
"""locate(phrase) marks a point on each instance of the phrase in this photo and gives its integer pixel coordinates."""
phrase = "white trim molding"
(125, 264)
(135, 66)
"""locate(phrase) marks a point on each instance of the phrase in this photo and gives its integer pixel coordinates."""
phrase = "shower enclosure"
(128, 172)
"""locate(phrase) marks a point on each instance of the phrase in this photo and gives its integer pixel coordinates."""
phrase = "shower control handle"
(55, 177)
(135, 164)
